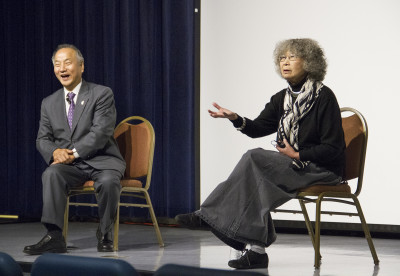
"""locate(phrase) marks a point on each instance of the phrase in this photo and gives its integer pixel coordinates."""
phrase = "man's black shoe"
(250, 259)
(47, 244)
(191, 221)
(105, 243)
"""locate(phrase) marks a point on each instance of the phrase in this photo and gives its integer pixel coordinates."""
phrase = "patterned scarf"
(294, 111)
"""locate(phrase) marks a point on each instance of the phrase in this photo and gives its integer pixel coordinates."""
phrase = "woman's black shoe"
(250, 259)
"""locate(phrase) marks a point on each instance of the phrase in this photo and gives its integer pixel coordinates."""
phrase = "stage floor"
(291, 254)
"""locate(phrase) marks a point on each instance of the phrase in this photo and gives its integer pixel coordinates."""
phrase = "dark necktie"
(71, 96)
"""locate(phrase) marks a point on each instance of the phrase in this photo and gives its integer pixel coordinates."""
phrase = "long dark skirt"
(262, 181)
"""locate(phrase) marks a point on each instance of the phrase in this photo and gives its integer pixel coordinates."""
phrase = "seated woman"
(310, 149)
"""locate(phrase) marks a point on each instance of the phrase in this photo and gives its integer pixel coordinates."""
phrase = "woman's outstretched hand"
(222, 113)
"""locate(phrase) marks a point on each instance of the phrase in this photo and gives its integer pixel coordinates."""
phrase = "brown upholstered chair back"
(355, 138)
(134, 143)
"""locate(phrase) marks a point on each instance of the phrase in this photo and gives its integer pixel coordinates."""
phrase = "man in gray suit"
(75, 138)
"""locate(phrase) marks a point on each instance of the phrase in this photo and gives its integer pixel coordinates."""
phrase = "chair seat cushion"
(343, 188)
(88, 183)
(131, 183)
(124, 183)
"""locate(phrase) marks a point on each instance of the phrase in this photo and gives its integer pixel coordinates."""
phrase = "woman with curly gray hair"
(310, 149)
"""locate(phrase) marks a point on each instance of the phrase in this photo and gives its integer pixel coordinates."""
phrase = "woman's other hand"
(222, 113)
(288, 150)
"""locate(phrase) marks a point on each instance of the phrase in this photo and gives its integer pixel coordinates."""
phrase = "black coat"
(321, 138)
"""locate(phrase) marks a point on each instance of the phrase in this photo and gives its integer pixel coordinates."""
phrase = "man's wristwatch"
(75, 153)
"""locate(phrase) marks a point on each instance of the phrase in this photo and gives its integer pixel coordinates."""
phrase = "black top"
(321, 138)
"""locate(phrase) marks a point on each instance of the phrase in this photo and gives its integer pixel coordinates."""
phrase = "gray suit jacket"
(92, 127)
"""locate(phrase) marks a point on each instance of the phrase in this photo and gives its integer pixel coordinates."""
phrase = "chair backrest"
(136, 140)
(65, 265)
(8, 266)
(356, 137)
(174, 270)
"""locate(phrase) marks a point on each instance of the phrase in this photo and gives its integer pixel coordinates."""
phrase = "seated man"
(75, 138)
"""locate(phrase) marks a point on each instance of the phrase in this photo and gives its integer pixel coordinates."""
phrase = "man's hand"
(222, 113)
(63, 156)
(288, 150)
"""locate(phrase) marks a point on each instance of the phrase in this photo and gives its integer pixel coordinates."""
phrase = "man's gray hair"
(79, 55)
(315, 63)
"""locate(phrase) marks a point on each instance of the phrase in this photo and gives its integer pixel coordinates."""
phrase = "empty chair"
(65, 265)
(183, 270)
(8, 266)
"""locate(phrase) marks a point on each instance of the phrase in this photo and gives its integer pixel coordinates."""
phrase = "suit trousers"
(58, 178)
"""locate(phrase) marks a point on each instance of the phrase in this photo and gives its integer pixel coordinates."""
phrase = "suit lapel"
(83, 98)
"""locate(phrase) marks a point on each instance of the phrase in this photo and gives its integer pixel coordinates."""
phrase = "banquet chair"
(178, 269)
(51, 264)
(8, 265)
(356, 137)
(136, 140)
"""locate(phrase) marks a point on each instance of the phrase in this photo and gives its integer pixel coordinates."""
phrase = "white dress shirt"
(76, 92)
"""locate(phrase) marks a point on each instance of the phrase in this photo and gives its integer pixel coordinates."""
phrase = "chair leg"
(366, 230)
(317, 259)
(116, 230)
(307, 221)
(66, 216)
(308, 224)
(154, 219)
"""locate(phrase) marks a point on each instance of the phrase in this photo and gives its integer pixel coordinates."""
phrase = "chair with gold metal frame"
(356, 136)
(136, 142)
(8, 217)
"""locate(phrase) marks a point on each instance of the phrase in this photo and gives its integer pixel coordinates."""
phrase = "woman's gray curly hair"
(315, 63)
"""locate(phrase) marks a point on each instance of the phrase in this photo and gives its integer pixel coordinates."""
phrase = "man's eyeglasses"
(291, 58)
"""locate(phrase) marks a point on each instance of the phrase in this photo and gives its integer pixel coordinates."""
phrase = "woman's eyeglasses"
(291, 58)
(277, 144)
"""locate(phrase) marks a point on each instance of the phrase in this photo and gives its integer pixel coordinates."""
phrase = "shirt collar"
(75, 91)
